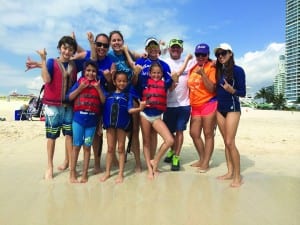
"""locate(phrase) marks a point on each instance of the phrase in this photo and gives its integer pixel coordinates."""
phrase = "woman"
(230, 85)
(203, 102)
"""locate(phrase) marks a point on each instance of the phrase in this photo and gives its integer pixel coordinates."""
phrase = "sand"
(268, 142)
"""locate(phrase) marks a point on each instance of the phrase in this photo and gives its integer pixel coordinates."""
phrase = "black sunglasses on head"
(100, 44)
(221, 53)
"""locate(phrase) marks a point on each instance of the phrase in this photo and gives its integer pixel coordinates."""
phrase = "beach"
(268, 142)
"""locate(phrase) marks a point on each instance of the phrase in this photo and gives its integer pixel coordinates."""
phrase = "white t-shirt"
(180, 95)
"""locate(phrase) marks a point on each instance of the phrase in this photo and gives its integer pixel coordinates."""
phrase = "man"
(178, 104)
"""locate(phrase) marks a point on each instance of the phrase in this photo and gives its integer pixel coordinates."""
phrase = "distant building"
(292, 36)
(279, 81)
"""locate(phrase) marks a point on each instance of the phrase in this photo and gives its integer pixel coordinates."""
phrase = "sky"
(255, 29)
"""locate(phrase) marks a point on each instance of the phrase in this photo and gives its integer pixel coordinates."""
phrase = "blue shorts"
(176, 118)
(57, 118)
(82, 135)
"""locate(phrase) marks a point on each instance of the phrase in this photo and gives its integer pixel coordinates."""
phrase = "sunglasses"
(100, 44)
(200, 54)
(176, 41)
(221, 53)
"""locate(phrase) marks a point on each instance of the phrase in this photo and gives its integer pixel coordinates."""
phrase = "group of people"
(122, 92)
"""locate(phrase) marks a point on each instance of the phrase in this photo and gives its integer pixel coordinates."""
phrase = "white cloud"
(261, 67)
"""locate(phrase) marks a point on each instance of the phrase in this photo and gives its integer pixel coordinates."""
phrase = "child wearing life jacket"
(58, 74)
(117, 121)
(88, 97)
(155, 95)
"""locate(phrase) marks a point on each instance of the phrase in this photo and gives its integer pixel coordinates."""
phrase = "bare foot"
(138, 169)
(196, 164)
(156, 173)
(63, 166)
(84, 179)
(96, 170)
(226, 176)
(105, 177)
(73, 176)
(73, 180)
(49, 174)
(202, 170)
(153, 165)
(119, 179)
(150, 175)
(236, 183)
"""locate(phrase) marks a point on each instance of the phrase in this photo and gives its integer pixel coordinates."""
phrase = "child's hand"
(124, 48)
(42, 53)
(106, 72)
(83, 84)
(95, 84)
(175, 76)
(73, 35)
(31, 64)
(137, 69)
(142, 105)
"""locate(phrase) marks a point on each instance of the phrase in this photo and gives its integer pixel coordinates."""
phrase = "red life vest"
(62, 80)
(155, 94)
(88, 100)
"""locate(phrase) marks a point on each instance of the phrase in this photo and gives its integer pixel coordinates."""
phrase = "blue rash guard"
(228, 102)
(122, 65)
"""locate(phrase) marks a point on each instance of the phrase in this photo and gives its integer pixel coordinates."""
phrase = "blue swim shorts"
(176, 118)
(57, 118)
(82, 135)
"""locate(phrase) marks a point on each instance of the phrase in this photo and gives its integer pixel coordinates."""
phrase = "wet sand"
(269, 146)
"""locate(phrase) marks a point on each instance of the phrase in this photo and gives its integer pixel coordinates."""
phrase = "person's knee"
(169, 141)
(229, 143)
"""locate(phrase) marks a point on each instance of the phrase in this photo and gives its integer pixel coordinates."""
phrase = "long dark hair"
(226, 69)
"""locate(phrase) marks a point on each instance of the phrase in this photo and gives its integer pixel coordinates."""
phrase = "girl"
(231, 84)
(117, 121)
(155, 94)
(88, 98)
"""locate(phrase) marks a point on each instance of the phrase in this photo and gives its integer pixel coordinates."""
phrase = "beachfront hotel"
(292, 36)
(279, 81)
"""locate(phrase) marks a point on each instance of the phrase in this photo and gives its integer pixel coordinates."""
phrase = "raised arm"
(30, 64)
(45, 74)
(90, 38)
(176, 74)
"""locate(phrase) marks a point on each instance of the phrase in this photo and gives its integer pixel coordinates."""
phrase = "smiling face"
(153, 50)
(90, 72)
(120, 81)
(102, 46)
(156, 72)
(223, 55)
(175, 52)
(116, 42)
(66, 52)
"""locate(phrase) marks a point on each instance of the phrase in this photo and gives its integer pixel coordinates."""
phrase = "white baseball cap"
(223, 46)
